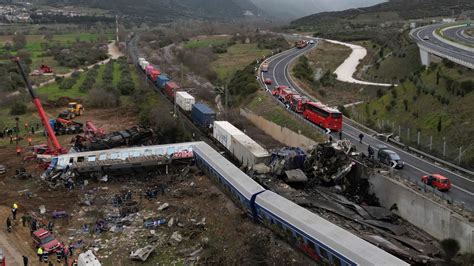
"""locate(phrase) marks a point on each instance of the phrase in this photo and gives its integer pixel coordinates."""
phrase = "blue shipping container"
(161, 81)
(202, 115)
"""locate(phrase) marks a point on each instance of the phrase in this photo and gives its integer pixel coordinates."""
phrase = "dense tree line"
(126, 86)
(90, 79)
(79, 53)
(243, 84)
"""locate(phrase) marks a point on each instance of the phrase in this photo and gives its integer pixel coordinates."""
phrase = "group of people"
(63, 252)
(10, 132)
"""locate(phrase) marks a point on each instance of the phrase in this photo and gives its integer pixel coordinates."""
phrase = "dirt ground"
(213, 229)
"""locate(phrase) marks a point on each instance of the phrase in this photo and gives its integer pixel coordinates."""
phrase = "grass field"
(328, 56)
(262, 105)
(34, 47)
(206, 41)
(237, 57)
(52, 91)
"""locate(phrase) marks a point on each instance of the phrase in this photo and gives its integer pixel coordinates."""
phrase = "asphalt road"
(425, 36)
(459, 35)
(415, 167)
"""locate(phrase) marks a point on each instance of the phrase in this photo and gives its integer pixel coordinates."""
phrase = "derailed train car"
(318, 238)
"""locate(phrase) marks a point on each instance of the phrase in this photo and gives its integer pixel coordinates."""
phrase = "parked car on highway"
(437, 181)
(311, 42)
(426, 37)
(3, 169)
(268, 81)
(389, 157)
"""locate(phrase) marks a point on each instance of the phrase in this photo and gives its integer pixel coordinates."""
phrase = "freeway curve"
(426, 36)
(415, 167)
(458, 33)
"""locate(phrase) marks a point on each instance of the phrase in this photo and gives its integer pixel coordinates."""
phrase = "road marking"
(413, 156)
(416, 168)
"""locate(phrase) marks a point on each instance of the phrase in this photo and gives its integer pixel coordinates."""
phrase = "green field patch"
(237, 57)
(207, 41)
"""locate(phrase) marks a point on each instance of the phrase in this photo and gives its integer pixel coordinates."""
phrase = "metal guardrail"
(468, 172)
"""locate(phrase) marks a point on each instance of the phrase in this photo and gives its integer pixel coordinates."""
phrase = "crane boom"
(56, 149)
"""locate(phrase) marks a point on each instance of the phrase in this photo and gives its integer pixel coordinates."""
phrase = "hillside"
(168, 10)
(436, 102)
(284, 9)
(403, 9)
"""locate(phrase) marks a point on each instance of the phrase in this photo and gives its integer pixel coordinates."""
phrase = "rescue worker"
(29, 141)
(340, 135)
(18, 151)
(26, 126)
(32, 130)
(50, 226)
(25, 260)
(361, 136)
(59, 254)
(14, 210)
(11, 139)
(9, 225)
(330, 139)
(370, 150)
(39, 252)
(65, 254)
(33, 226)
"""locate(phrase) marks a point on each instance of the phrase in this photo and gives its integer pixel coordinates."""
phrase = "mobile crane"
(54, 148)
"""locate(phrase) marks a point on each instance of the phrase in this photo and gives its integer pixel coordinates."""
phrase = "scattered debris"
(175, 238)
(142, 253)
(296, 175)
(163, 206)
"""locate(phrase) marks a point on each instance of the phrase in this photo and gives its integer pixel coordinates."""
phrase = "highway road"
(458, 34)
(426, 36)
(415, 167)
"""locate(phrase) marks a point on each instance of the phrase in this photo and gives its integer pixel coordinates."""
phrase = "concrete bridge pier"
(425, 57)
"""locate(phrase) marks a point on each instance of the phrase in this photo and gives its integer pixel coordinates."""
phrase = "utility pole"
(182, 75)
(444, 147)
(17, 137)
(116, 30)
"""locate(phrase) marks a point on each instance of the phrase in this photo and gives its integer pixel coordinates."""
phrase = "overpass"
(432, 45)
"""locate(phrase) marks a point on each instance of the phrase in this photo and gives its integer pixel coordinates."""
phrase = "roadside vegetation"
(436, 102)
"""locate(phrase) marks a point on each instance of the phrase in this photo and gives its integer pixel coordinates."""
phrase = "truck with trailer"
(265, 67)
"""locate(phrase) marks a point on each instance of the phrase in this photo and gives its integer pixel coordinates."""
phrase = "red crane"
(53, 144)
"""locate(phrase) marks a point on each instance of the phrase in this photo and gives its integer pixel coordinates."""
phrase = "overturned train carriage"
(317, 237)
(121, 159)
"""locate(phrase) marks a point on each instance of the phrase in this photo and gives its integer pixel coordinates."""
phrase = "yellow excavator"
(73, 109)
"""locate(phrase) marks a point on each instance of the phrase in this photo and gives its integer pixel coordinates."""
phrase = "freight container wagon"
(161, 81)
(223, 132)
(185, 100)
(171, 88)
(154, 74)
(203, 116)
(247, 151)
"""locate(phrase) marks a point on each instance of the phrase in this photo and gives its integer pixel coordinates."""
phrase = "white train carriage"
(237, 183)
(173, 151)
(317, 237)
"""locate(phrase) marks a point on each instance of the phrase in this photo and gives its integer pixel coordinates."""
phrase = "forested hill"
(405, 9)
(167, 10)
